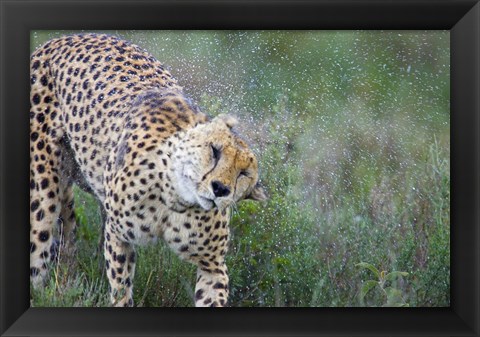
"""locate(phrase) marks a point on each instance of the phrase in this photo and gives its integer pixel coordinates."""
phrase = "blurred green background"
(352, 131)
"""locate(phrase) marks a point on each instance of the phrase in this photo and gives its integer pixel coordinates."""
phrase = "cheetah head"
(214, 167)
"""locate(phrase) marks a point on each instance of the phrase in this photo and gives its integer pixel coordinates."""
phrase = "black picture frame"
(18, 17)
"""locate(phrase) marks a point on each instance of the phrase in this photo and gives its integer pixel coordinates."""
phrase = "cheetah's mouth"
(208, 200)
(206, 203)
(220, 203)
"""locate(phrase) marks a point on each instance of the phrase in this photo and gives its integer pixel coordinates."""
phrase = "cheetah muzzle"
(107, 116)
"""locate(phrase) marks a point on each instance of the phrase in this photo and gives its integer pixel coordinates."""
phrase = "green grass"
(352, 133)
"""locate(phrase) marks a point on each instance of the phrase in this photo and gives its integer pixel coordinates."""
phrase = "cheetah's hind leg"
(120, 267)
(67, 227)
(46, 197)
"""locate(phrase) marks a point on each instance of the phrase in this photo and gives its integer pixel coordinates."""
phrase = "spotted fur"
(107, 116)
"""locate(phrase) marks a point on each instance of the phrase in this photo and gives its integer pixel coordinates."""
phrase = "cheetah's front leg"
(211, 289)
(120, 268)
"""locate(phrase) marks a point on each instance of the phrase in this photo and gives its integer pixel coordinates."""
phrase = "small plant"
(392, 296)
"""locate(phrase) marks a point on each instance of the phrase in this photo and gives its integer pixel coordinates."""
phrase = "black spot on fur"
(40, 145)
(199, 294)
(44, 236)
(34, 205)
(40, 215)
(121, 258)
(44, 183)
(36, 99)
(219, 285)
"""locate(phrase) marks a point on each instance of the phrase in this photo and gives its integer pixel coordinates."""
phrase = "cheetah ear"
(229, 120)
(258, 193)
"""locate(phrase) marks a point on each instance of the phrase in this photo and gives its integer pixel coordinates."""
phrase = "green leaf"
(281, 261)
(394, 297)
(395, 274)
(369, 267)
(366, 287)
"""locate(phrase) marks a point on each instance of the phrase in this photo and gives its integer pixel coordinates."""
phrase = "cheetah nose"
(219, 189)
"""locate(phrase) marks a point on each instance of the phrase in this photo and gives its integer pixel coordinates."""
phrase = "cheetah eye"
(216, 153)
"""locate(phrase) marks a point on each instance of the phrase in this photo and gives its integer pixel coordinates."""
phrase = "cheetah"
(107, 116)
